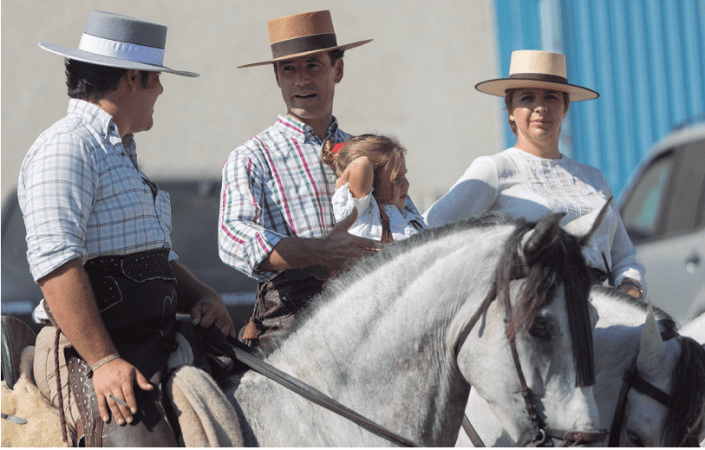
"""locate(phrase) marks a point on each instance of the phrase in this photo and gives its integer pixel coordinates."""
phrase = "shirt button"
(332, 178)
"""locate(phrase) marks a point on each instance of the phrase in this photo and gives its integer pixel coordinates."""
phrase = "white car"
(663, 210)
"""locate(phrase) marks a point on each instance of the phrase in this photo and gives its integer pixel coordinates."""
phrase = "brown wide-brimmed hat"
(536, 69)
(302, 35)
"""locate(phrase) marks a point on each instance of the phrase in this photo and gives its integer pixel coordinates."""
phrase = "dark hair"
(382, 151)
(509, 96)
(335, 55)
(86, 81)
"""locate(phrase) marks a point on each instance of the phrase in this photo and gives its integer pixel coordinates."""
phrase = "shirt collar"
(301, 132)
(93, 116)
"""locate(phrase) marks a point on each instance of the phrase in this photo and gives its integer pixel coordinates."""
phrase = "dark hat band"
(539, 77)
(303, 44)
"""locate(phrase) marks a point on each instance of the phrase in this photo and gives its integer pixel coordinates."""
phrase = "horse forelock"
(685, 417)
(560, 263)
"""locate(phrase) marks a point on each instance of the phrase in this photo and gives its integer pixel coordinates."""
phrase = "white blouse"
(368, 223)
(526, 186)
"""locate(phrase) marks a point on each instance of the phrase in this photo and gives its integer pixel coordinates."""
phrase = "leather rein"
(214, 339)
(631, 379)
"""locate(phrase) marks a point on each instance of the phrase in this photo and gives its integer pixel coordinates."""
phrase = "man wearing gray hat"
(99, 245)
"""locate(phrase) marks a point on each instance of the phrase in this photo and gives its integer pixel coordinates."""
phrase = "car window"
(641, 211)
(682, 210)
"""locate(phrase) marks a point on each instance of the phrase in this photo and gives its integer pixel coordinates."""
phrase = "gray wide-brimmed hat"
(302, 34)
(537, 69)
(119, 41)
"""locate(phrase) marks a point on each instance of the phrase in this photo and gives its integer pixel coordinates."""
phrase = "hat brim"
(92, 58)
(500, 86)
(312, 52)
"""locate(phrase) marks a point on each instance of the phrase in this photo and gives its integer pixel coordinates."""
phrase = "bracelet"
(97, 365)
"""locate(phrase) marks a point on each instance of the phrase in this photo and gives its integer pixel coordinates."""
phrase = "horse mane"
(665, 320)
(559, 262)
(684, 421)
(340, 283)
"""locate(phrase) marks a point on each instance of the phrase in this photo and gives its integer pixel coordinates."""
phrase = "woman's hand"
(631, 287)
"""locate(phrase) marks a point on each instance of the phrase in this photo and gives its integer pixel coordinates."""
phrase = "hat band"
(121, 50)
(303, 44)
(540, 77)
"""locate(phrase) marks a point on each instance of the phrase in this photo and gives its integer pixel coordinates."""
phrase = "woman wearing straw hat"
(533, 178)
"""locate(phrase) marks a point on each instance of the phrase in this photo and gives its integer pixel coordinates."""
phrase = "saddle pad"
(206, 418)
(43, 427)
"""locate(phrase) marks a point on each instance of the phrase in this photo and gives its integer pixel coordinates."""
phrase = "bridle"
(631, 379)
(539, 435)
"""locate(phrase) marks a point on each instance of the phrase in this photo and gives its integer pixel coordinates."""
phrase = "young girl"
(371, 172)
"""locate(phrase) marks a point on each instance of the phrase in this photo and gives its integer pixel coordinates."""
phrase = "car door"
(665, 216)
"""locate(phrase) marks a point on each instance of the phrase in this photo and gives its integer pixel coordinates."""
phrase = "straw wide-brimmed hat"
(536, 69)
(124, 42)
(302, 35)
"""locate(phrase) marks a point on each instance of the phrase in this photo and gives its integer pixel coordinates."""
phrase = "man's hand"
(117, 378)
(209, 311)
(342, 250)
(339, 250)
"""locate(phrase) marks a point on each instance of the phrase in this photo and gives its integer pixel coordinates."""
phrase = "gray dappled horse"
(402, 336)
(626, 335)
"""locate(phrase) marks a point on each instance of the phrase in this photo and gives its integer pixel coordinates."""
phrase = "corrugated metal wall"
(646, 58)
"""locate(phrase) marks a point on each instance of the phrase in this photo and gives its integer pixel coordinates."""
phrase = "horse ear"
(652, 351)
(585, 227)
(541, 236)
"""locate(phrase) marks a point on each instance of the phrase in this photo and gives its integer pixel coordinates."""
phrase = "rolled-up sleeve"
(243, 240)
(56, 194)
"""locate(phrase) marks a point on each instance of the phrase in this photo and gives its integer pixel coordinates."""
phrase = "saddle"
(16, 336)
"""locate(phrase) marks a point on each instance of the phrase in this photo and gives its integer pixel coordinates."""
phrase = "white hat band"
(121, 50)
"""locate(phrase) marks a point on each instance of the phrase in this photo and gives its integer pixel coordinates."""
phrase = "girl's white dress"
(402, 224)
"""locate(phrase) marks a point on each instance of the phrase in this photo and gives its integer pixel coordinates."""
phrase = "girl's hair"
(382, 151)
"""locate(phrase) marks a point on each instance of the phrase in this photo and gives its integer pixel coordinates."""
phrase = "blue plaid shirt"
(82, 194)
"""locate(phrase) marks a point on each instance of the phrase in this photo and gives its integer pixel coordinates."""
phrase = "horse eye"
(540, 330)
(633, 439)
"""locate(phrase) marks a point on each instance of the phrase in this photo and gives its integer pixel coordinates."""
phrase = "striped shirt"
(82, 194)
(274, 186)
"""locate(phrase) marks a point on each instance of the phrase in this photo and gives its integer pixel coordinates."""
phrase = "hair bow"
(337, 147)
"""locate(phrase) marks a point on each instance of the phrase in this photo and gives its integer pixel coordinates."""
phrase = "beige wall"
(414, 81)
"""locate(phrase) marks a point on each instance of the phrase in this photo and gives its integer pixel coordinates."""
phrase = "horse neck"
(381, 345)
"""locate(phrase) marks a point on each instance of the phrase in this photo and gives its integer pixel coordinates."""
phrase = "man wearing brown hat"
(99, 246)
(277, 223)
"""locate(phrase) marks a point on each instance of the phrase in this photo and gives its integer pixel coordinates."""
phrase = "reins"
(213, 338)
(631, 379)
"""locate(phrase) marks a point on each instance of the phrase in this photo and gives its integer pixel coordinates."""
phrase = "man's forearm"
(67, 291)
(189, 289)
(292, 253)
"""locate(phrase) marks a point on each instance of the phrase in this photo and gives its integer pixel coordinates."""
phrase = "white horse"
(401, 338)
(696, 329)
(627, 334)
